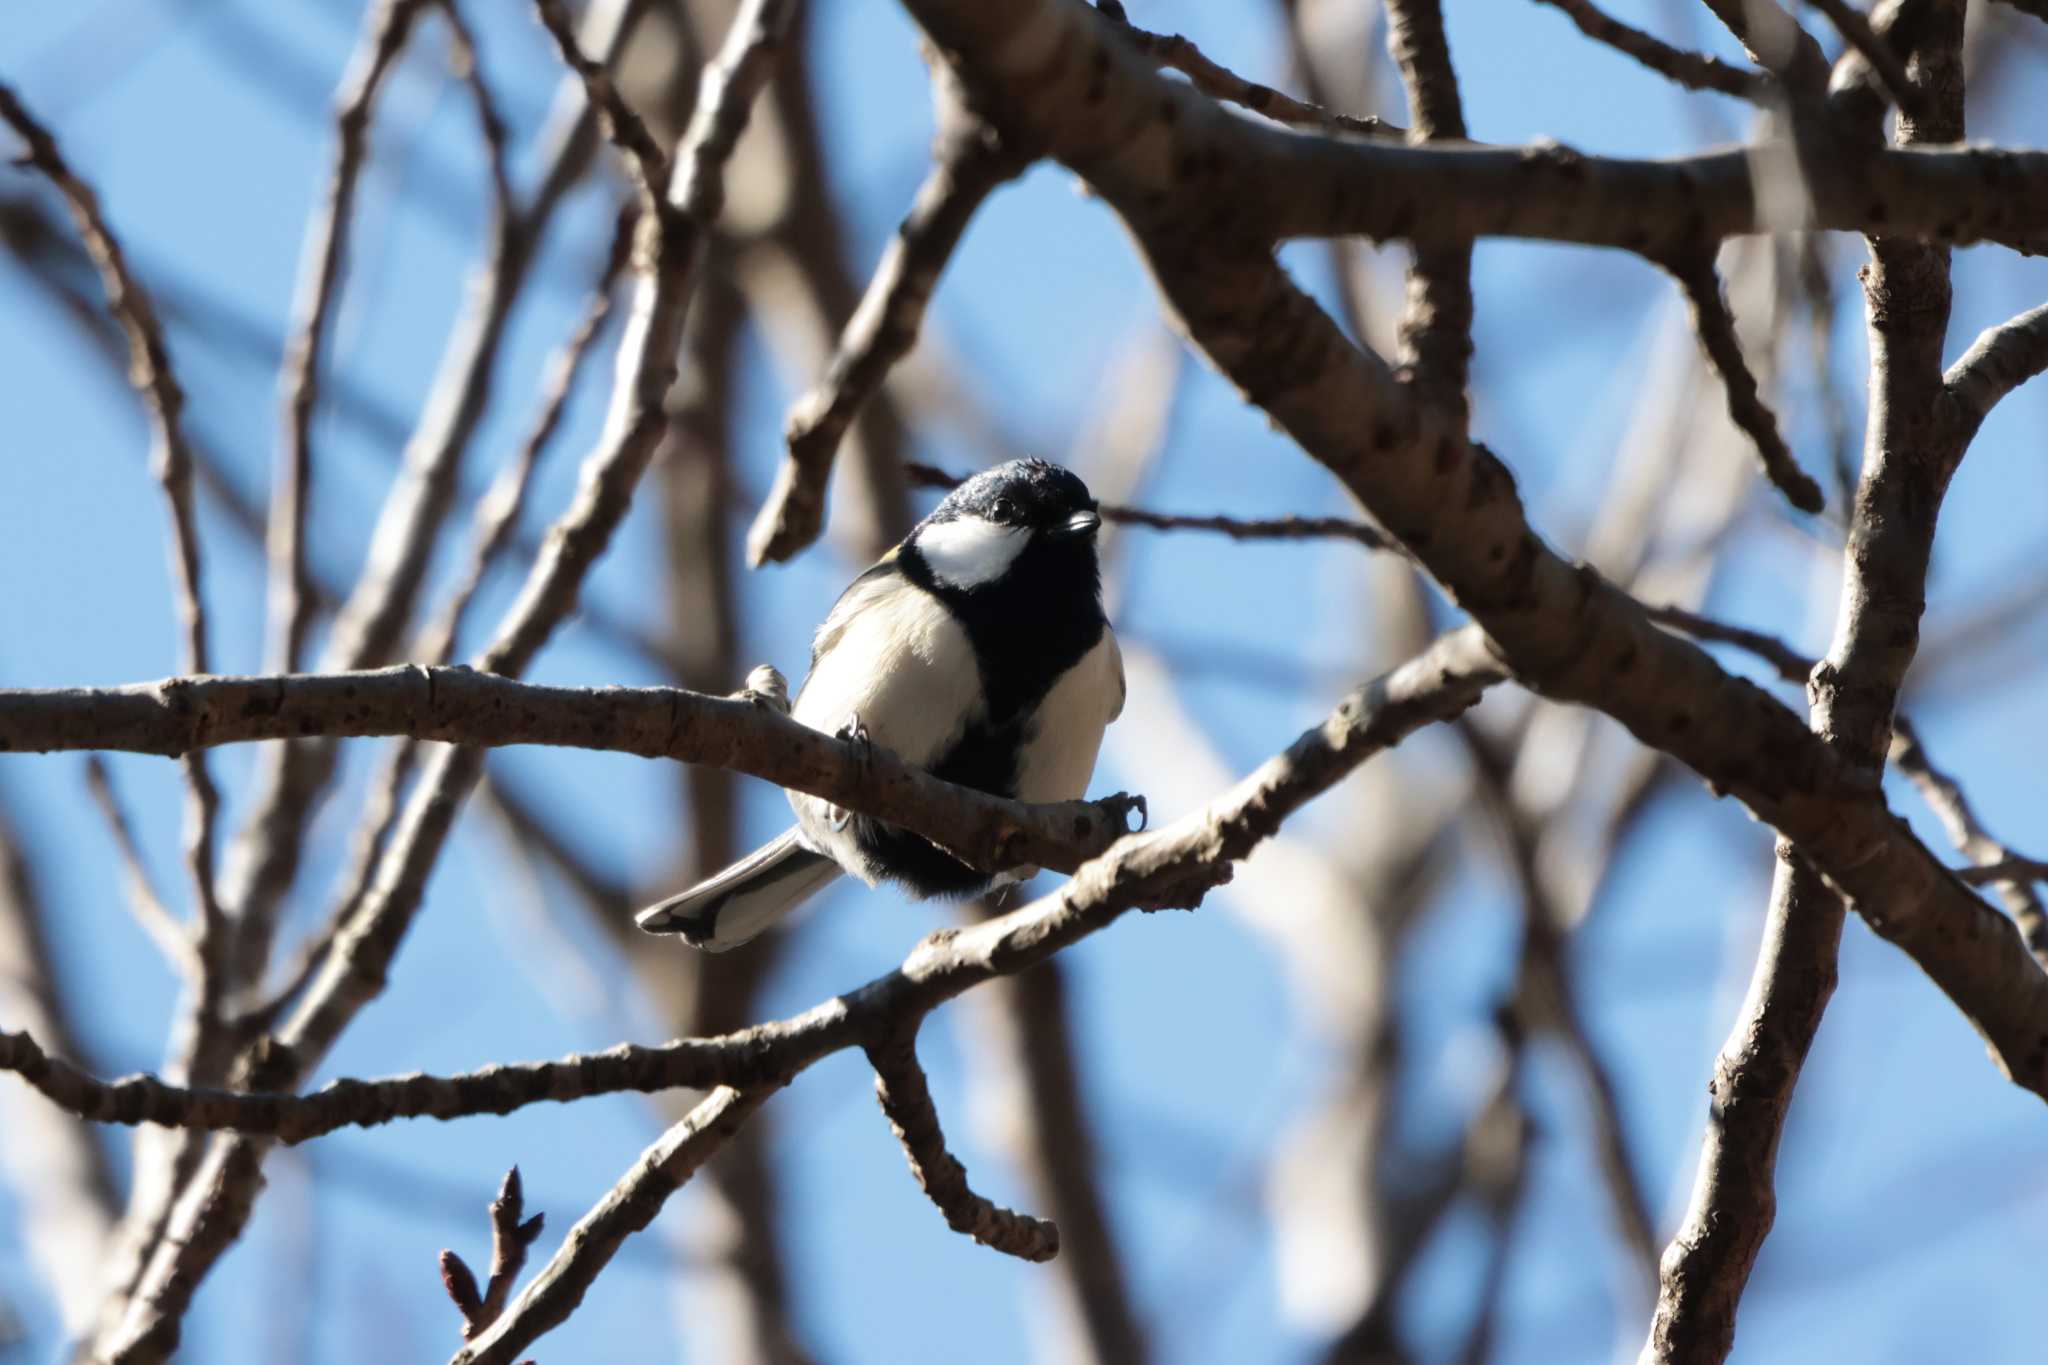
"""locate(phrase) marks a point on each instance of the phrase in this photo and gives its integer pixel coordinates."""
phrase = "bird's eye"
(1004, 510)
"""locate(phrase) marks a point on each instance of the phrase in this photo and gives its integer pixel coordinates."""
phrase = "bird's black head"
(1026, 517)
(1029, 494)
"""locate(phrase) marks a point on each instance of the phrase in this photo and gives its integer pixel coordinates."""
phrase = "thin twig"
(2000, 360)
(497, 517)
(171, 463)
(1791, 665)
(1715, 325)
(374, 613)
(1549, 998)
(1854, 26)
(669, 245)
(1218, 82)
(1237, 528)
(627, 1208)
(647, 165)
(1777, 42)
(512, 1236)
(2009, 874)
(155, 917)
(489, 120)
(384, 36)
(969, 160)
(1693, 70)
(2006, 870)
(906, 1099)
(498, 511)
(1436, 322)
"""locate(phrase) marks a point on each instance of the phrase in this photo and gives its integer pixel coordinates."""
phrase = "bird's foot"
(854, 732)
(1122, 806)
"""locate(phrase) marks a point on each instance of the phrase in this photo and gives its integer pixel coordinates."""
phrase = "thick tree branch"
(1179, 163)
(483, 710)
(1853, 695)
(1175, 865)
(1175, 174)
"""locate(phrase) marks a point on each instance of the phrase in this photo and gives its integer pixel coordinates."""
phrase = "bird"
(976, 649)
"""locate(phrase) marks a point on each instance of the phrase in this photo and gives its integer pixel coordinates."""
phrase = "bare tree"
(686, 196)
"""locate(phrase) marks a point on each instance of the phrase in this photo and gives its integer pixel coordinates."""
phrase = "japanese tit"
(976, 649)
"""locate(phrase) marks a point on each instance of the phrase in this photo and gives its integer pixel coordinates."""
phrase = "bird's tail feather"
(730, 908)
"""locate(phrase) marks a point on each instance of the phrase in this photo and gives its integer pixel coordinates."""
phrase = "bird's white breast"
(1065, 733)
(895, 656)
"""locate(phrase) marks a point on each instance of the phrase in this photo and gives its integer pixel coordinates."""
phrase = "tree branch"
(906, 1100)
(385, 31)
(1995, 862)
(1999, 361)
(1436, 323)
(1714, 323)
(171, 463)
(1218, 82)
(512, 1235)
(969, 160)
(372, 617)
(1175, 865)
(1692, 70)
(629, 1207)
(1853, 695)
(1237, 528)
(1163, 147)
(1775, 40)
(1181, 176)
(488, 710)
(669, 245)
(1854, 26)
(149, 909)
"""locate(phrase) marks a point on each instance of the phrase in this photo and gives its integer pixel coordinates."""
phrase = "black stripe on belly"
(1028, 628)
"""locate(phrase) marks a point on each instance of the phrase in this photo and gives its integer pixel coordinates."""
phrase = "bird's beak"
(1080, 524)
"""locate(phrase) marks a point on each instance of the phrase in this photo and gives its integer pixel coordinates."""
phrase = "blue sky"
(1910, 1185)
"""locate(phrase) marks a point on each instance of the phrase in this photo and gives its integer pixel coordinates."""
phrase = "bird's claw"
(854, 732)
(1122, 805)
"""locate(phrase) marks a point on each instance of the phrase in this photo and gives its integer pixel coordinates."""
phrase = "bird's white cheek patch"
(970, 551)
